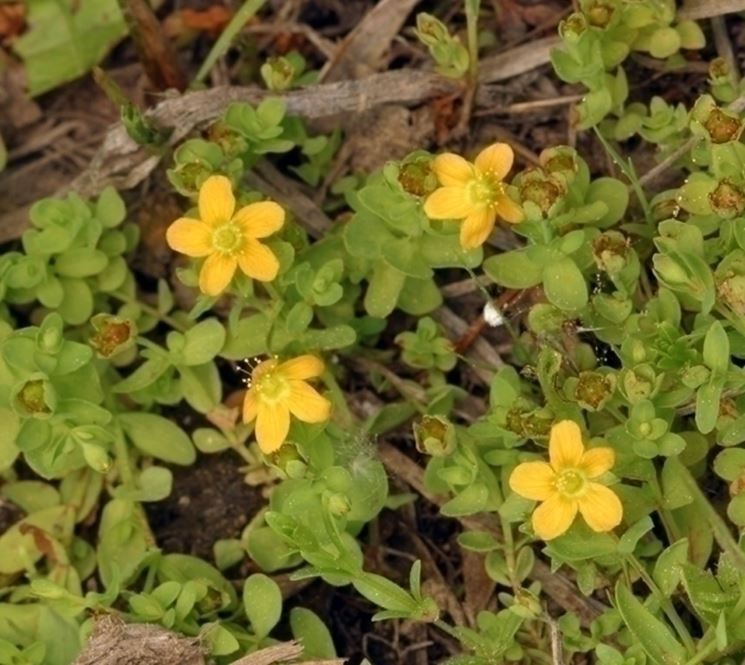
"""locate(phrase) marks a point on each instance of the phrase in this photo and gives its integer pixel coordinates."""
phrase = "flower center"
(571, 483)
(485, 189)
(227, 238)
(273, 387)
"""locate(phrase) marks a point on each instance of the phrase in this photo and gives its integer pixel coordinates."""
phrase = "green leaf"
(653, 635)
(220, 641)
(614, 194)
(471, 500)
(110, 210)
(383, 290)
(158, 437)
(66, 39)
(707, 406)
(716, 349)
(627, 542)
(564, 285)
(80, 262)
(262, 602)
(209, 440)
(201, 386)
(315, 637)
(384, 593)
(667, 568)
(203, 342)
(145, 375)
(478, 541)
(514, 269)
(247, 338)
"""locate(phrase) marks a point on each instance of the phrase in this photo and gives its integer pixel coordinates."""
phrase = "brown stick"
(156, 53)
(698, 9)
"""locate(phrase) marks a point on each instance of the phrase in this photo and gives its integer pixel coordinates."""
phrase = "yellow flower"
(565, 485)
(474, 193)
(278, 390)
(228, 239)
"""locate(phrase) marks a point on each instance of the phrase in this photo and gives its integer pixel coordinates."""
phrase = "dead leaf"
(12, 20)
(187, 22)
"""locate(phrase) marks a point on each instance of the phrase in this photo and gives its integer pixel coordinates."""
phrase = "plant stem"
(122, 459)
(220, 47)
(665, 604)
(715, 522)
(149, 309)
(627, 168)
(344, 415)
(472, 27)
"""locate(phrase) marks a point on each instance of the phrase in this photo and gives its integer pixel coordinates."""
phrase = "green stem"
(344, 416)
(149, 309)
(665, 604)
(472, 28)
(721, 531)
(673, 532)
(122, 459)
(447, 628)
(704, 651)
(220, 47)
(627, 168)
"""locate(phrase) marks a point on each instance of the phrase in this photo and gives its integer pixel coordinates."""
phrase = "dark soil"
(210, 501)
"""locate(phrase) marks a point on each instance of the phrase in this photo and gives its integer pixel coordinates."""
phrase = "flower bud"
(430, 30)
(35, 397)
(288, 460)
(610, 250)
(731, 290)
(639, 383)
(278, 73)
(670, 271)
(435, 436)
(599, 14)
(541, 190)
(416, 176)
(112, 334)
(338, 504)
(593, 390)
(572, 27)
(722, 127)
(727, 200)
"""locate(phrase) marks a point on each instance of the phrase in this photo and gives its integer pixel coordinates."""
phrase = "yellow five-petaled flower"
(278, 390)
(228, 239)
(474, 193)
(566, 485)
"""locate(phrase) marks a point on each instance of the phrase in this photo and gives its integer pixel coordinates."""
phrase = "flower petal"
(190, 237)
(496, 159)
(565, 446)
(260, 220)
(216, 273)
(476, 228)
(508, 210)
(216, 200)
(553, 517)
(272, 425)
(302, 367)
(452, 170)
(533, 480)
(250, 405)
(601, 508)
(258, 261)
(448, 203)
(307, 404)
(596, 461)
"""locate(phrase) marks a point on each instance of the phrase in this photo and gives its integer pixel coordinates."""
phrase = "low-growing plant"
(598, 474)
